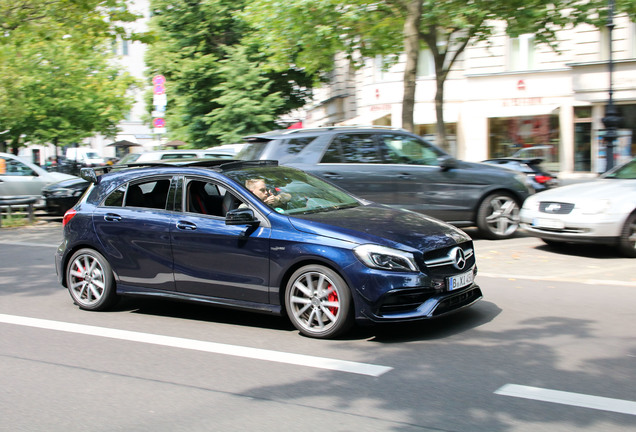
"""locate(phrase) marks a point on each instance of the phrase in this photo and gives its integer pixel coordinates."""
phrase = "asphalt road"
(550, 348)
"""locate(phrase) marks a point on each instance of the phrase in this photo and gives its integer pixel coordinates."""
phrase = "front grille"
(441, 262)
(457, 301)
(555, 207)
(404, 300)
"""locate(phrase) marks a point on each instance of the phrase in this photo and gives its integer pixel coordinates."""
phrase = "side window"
(148, 194)
(116, 198)
(355, 148)
(204, 197)
(408, 150)
(287, 149)
(17, 168)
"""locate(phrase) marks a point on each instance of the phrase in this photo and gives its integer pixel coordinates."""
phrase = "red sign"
(159, 123)
(158, 79)
(159, 89)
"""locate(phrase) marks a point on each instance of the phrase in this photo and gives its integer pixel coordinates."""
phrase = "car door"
(213, 259)
(133, 227)
(18, 179)
(353, 162)
(421, 184)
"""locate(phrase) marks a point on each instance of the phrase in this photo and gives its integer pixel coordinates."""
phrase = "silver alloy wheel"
(498, 216)
(318, 302)
(87, 281)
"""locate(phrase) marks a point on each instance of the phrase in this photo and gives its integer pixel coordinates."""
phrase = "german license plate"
(548, 223)
(461, 280)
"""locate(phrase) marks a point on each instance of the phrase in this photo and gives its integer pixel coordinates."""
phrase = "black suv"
(395, 167)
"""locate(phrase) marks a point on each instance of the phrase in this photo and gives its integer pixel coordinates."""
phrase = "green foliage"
(57, 79)
(194, 51)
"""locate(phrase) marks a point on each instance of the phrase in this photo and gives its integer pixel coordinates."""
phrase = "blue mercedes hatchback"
(261, 237)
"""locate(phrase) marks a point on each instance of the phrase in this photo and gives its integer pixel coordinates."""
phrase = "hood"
(381, 225)
(597, 189)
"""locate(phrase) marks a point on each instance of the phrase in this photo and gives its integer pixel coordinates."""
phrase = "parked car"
(62, 196)
(601, 211)
(540, 179)
(23, 179)
(324, 258)
(397, 168)
(159, 155)
(83, 156)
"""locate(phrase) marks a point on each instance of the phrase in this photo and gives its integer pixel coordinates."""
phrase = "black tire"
(318, 302)
(627, 241)
(90, 281)
(498, 216)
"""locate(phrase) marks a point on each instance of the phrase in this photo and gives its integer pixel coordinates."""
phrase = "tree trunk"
(412, 50)
(440, 132)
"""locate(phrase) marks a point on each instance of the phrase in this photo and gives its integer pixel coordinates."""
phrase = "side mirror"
(447, 162)
(241, 216)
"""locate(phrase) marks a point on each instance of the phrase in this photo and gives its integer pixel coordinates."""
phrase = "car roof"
(217, 165)
(285, 133)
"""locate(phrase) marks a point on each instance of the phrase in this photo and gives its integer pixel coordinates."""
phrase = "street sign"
(158, 79)
(159, 123)
(159, 89)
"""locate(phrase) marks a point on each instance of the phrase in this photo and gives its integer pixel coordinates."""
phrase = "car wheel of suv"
(90, 280)
(627, 241)
(498, 216)
(318, 302)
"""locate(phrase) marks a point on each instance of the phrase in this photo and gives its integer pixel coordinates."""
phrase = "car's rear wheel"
(90, 281)
(318, 302)
(498, 216)
(627, 241)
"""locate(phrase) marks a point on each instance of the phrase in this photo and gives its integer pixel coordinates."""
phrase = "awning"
(523, 111)
(123, 143)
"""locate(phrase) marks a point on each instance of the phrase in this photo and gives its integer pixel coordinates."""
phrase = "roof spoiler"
(92, 174)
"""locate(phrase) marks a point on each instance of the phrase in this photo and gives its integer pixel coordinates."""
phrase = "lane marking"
(197, 345)
(567, 398)
(559, 279)
(9, 243)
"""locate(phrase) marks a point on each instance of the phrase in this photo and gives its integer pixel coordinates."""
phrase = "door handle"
(112, 217)
(330, 176)
(187, 226)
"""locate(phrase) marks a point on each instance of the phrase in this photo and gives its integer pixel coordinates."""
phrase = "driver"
(259, 188)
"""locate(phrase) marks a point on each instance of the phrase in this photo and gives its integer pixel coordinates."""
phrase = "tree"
(310, 33)
(57, 78)
(194, 51)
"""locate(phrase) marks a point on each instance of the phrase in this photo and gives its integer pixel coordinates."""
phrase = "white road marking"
(567, 398)
(211, 347)
(10, 243)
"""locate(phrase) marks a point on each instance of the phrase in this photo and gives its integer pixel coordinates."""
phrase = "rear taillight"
(542, 178)
(68, 216)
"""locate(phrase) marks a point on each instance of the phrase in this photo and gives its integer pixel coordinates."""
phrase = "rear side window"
(358, 148)
(287, 149)
(148, 194)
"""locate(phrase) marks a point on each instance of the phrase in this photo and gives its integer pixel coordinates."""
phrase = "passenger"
(259, 188)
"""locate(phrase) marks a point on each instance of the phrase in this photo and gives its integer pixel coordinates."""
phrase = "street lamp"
(612, 117)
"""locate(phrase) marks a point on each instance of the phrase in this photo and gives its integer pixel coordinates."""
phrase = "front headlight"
(385, 258)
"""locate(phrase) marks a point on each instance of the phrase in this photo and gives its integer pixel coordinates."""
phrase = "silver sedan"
(601, 211)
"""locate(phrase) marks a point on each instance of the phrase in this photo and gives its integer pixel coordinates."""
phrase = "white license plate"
(461, 280)
(548, 223)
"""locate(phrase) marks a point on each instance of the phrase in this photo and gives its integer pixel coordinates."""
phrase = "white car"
(600, 211)
(158, 155)
(23, 179)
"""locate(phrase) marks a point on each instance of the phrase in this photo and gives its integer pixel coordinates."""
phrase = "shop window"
(526, 137)
(429, 133)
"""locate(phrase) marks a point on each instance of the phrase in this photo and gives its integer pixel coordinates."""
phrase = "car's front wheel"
(498, 216)
(627, 241)
(90, 281)
(318, 302)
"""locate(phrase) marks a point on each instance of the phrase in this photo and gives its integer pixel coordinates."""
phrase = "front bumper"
(581, 228)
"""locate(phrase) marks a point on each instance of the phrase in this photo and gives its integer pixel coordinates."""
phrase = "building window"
(521, 52)
(425, 64)
(632, 39)
(124, 47)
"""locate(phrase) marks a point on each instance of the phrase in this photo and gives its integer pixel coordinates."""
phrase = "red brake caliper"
(332, 297)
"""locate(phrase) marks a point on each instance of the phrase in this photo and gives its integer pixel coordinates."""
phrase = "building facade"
(505, 97)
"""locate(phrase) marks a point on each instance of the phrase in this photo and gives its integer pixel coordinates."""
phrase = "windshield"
(303, 193)
(627, 171)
